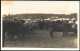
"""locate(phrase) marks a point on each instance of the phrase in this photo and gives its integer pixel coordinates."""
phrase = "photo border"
(32, 49)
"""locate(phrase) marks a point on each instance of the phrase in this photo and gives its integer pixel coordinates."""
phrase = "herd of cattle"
(18, 29)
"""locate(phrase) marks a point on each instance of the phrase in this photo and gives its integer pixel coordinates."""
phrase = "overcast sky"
(55, 7)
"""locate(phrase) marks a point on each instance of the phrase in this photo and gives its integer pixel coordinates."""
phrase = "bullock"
(12, 29)
(60, 26)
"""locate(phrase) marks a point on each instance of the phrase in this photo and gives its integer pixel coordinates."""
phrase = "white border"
(4, 48)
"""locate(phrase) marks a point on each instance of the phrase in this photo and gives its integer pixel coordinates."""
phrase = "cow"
(41, 24)
(12, 30)
(60, 26)
(29, 26)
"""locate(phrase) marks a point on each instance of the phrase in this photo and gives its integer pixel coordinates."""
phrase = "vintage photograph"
(39, 24)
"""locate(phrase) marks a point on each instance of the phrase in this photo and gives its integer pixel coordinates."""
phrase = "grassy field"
(41, 39)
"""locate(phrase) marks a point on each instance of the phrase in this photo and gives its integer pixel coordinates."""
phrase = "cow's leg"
(23, 36)
(51, 34)
(19, 37)
(3, 39)
(75, 31)
(6, 36)
(64, 33)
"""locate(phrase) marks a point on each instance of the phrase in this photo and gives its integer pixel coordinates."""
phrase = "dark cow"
(48, 25)
(41, 24)
(12, 29)
(60, 26)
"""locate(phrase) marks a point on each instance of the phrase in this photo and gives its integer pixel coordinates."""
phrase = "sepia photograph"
(40, 24)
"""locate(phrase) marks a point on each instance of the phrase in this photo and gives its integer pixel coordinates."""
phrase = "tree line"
(39, 16)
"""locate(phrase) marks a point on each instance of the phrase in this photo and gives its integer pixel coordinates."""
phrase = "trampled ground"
(41, 39)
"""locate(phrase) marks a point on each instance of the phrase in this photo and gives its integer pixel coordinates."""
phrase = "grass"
(41, 39)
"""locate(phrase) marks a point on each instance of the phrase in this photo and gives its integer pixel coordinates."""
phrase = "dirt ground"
(41, 39)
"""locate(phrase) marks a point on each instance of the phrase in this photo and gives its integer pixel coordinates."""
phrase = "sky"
(53, 7)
